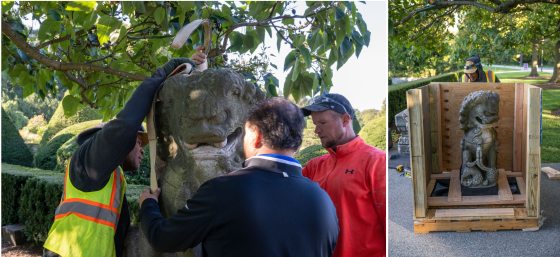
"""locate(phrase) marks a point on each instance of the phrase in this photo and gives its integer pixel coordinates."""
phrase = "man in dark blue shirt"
(266, 208)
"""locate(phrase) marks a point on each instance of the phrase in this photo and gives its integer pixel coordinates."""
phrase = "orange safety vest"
(489, 74)
(85, 222)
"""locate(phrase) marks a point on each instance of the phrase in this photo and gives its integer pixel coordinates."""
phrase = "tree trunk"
(535, 60)
(556, 69)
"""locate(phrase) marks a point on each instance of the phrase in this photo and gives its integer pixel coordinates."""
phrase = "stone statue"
(199, 120)
(478, 115)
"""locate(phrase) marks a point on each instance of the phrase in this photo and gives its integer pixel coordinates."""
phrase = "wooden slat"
(454, 194)
(533, 157)
(551, 173)
(452, 95)
(520, 185)
(435, 127)
(475, 213)
(514, 174)
(441, 201)
(417, 154)
(518, 126)
(431, 186)
(422, 227)
(443, 175)
(504, 191)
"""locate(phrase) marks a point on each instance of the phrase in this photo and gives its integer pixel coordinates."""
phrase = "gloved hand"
(162, 72)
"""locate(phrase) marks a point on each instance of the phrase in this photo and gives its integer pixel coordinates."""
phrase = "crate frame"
(435, 154)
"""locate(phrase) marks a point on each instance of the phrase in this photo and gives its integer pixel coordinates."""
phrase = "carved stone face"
(479, 108)
(484, 113)
(204, 113)
(200, 120)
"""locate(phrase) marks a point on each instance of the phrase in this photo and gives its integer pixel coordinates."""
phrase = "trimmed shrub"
(14, 150)
(46, 156)
(30, 196)
(58, 121)
(374, 132)
(304, 155)
(397, 93)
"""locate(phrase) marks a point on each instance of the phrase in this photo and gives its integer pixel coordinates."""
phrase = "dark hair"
(280, 121)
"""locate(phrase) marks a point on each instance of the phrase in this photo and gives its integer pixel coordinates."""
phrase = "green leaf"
(7, 5)
(160, 15)
(250, 42)
(287, 91)
(278, 40)
(105, 25)
(339, 14)
(289, 60)
(288, 21)
(260, 34)
(366, 38)
(345, 51)
(316, 39)
(306, 55)
(236, 40)
(48, 29)
(271, 84)
(298, 40)
(75, 6)
(295, 71)
(127, 7)
(333, 56)
(70, 105)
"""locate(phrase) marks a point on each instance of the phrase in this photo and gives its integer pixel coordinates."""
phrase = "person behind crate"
(93, 216)
(473, 71)
(353, 174)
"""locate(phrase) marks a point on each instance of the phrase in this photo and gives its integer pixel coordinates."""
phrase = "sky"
(362, 80)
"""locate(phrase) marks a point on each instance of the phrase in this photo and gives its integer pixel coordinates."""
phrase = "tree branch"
(498, 7)
(34, 53)
(59, 39)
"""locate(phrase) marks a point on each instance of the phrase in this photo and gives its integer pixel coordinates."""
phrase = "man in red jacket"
(353, 174)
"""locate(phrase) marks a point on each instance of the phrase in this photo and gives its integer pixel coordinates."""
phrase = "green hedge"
(374, 132)
(30, 196)
(308, 153)
(47, 154)
(58, 121)
(14, 150)
(397, 93)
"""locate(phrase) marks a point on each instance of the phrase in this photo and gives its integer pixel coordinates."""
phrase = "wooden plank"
(533, 157)
(443, 175)
(551, 173)
(514, 174)
(520, 185)
(504, 191)
(421, 227)
(524, 132)
(475, 213)
(435, 127)
(452, 95)
(430, 187)
(417, 155)
(518, 141)
(454, 194)
(442, 201)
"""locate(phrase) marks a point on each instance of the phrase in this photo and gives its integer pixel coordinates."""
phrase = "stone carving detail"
(478, 116)
(200, 120)
(401, 121)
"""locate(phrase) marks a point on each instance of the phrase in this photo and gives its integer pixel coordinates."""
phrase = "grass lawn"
(550, 146)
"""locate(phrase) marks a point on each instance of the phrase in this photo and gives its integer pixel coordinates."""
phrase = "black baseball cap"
(88, 133)
(334, 102)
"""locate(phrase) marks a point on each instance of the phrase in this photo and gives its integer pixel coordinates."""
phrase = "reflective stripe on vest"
(90, 210)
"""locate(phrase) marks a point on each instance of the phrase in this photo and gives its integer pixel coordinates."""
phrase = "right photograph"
(474, 128)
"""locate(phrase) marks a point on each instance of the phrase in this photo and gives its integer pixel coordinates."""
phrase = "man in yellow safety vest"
(473, 72)
(93, 216)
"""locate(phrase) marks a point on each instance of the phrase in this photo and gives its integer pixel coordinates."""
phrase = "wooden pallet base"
(491, 219)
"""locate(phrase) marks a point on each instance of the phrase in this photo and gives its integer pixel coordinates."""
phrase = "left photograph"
(194, 128)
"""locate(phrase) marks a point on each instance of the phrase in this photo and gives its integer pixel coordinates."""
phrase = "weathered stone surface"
(478, 115)
(401, 121)
(199, 120)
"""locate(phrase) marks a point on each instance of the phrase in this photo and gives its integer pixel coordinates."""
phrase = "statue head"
(478, 109)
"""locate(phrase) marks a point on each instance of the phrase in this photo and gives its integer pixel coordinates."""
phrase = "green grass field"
(550, 146)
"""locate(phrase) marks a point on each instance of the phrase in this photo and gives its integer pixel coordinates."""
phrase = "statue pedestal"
(401, 121)
(435, 148)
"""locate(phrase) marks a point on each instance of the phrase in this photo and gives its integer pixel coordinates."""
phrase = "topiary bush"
(14, 150)
(308, 153)
(397, 93)
(47, 154)
(374, 132)
(58, 121)
(30, 196)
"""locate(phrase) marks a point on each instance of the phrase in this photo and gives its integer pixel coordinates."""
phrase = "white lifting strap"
(185, 68)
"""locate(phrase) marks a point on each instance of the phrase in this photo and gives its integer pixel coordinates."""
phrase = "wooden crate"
(435, 154)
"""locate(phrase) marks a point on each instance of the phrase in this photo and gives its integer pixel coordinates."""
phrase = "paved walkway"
(403, 242)
(545, 69)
